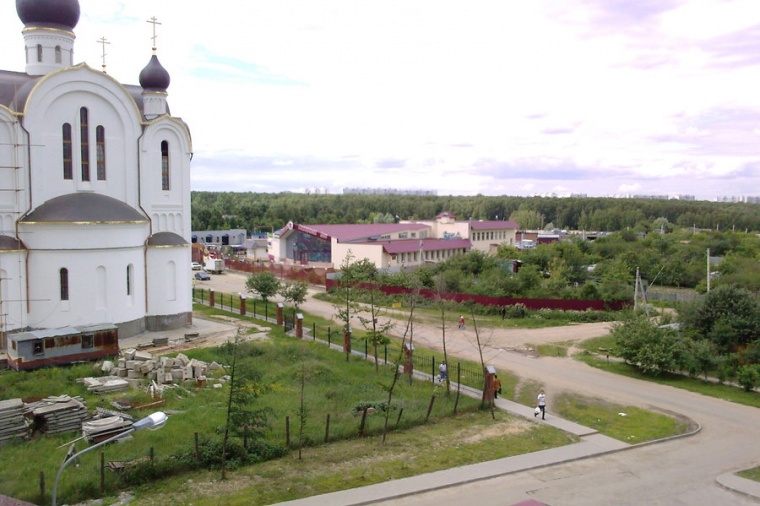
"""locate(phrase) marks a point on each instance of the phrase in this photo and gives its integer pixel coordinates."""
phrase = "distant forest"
(271, 211)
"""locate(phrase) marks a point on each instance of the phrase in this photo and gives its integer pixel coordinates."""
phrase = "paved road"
(678, 472)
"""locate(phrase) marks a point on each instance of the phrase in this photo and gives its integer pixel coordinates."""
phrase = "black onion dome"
(154, 76)
(62, 14)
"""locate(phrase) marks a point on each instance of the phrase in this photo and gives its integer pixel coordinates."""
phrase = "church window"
(84, 141)
(58, 54)
(129, 280)
(68, 170)
(165, 165)
(100, 143)
(64, 276)
(39, 52)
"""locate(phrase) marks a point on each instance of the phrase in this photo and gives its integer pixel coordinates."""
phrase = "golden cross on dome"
(102, 41)
(154, 22)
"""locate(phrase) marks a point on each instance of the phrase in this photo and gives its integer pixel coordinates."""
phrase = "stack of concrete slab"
(57, 414)
(105, 384)
(13, 424)
(104, 428)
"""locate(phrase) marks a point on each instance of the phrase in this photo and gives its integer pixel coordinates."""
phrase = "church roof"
(15, 88)
(61, 14)
(166, 239)
(84, 208)
(154, 76)
(8, 243)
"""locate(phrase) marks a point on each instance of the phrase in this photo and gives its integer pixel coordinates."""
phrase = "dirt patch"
(516, 426)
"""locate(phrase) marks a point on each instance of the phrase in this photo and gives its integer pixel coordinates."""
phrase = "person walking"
(443, 371)
(461, 322)
(496, 384)
(541, 405)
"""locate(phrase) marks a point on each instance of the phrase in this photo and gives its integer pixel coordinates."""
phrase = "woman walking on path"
(541, 405)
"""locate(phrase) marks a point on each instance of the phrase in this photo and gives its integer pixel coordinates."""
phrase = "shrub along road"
(678, 472)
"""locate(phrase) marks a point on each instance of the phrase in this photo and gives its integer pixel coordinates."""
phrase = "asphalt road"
(678, 472)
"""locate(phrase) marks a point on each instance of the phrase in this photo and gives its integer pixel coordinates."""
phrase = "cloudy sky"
(518, 97)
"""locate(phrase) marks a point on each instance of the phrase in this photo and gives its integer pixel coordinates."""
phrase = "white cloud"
(517, 97)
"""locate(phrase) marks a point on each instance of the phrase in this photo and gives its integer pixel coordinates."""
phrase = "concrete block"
(142, 356)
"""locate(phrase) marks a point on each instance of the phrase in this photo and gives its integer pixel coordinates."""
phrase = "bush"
(379, 406)
(748, 377)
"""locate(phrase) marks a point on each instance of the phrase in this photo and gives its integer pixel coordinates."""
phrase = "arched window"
(100, 143)
(39, 52)
(164, 165)
(84, 141)
(129, 279)
(58, 54)
(64, 277)
(68, 170)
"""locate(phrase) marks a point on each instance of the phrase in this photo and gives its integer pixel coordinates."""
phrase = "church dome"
(154, 76)
(62, 14)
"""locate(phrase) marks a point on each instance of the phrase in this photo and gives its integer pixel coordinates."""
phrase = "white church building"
(94, 189)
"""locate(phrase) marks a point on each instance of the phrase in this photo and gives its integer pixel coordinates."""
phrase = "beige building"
(392, 246)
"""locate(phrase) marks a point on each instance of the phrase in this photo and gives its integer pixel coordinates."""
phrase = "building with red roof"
(390, 246)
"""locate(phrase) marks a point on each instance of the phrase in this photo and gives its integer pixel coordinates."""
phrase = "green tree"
(654, 350)
(295, 293)
(263, 283)
(527, 219)
(243, 418)
(728, 316)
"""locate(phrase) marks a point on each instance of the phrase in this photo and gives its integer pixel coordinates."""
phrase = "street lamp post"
(151, 422)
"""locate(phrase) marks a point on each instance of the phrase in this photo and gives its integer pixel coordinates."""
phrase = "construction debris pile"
(57, 414)
(134, 366)
(13, 424)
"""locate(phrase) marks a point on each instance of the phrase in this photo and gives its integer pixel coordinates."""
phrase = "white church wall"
(169, 286)
(12, 291)
(176, 200)
(58, 99)
(73, 237)
(86, 295)
(13, 176)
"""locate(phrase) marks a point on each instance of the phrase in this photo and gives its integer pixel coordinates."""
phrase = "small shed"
(64, 345)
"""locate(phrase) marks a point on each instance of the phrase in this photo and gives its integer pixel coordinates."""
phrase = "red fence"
(311, 275)
(484, 300)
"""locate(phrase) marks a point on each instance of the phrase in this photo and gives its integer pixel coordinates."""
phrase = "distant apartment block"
(388, 191)
(739, 199)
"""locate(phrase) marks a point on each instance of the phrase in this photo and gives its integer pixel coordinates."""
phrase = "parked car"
(202, 276)
(196, 266)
